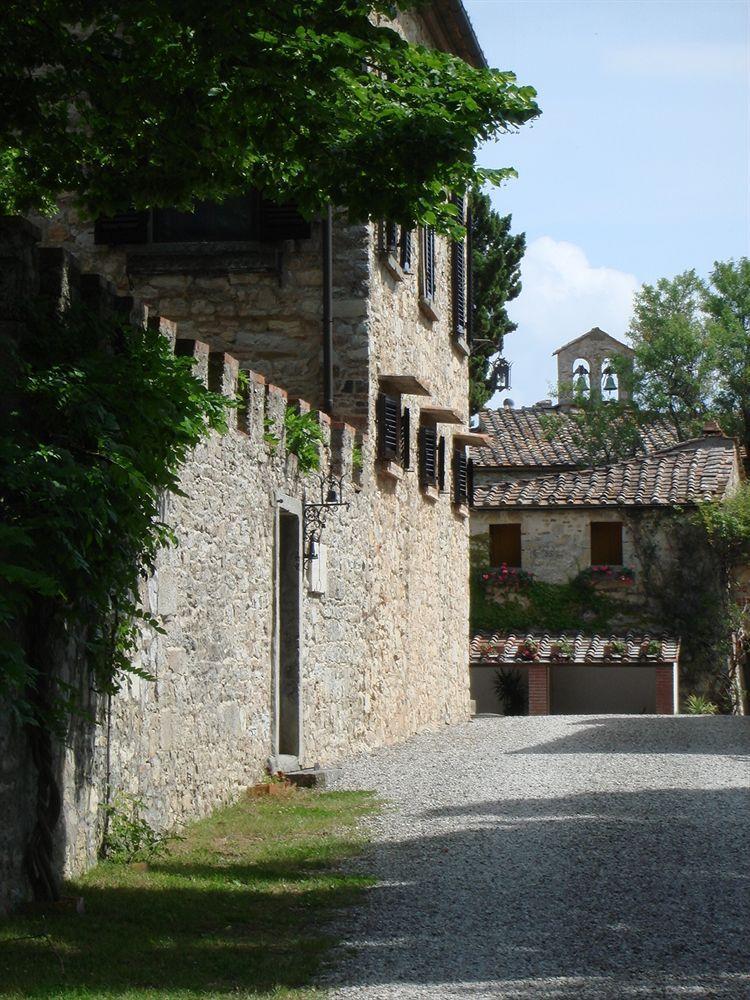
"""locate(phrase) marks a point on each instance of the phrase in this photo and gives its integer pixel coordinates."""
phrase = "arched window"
(581, 377)
(610, 382)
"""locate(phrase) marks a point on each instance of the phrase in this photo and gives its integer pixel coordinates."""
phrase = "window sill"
(391, 470)
(431, 493)
(427, 308)
(391, 264)
(461, 345)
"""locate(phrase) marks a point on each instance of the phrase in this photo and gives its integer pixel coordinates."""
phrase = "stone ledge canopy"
(588, 650)
(441, 415)
(470, 437)
(407, 385)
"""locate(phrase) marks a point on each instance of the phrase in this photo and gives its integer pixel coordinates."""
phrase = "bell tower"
(584, 365)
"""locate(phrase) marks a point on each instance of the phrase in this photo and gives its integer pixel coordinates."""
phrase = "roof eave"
(449, 22)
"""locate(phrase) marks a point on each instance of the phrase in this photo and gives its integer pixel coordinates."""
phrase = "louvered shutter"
(441, 464)
(427, 456)
(406, 438)
(469, 275)
(470, 480)
(281, 222)
(117, 230)
(459, 277)
(460, 476)
(390, 238)
(428, 262)
(389, 427)
(405, 250)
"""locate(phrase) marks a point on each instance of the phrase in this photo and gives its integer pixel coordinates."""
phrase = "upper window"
(462, 474)
(248, 218)
(505, 545)
(395, 245)
(428, 456)
(606, 543)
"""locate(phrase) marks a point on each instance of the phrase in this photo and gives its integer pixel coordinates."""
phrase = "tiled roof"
(696, 470)
(503, 648)
(518, 439)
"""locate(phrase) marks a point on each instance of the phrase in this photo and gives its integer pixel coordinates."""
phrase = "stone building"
(536, 511)
(294, 633)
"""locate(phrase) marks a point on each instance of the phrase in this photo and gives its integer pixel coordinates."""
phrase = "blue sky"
(638, 167)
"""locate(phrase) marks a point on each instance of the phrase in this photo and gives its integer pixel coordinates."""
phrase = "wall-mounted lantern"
(315, 515)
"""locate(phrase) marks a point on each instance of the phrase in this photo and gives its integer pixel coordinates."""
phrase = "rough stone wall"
(268, 314)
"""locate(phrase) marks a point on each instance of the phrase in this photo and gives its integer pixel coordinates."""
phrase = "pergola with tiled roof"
(539, 652)
(688, 473)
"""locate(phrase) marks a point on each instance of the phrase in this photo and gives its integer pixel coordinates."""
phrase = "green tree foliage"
(96, 419)
(604, 431)
(159, 102)
(496, 262)
(673, 368)
(726, 302)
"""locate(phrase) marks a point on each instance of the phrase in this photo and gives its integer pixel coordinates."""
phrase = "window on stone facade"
(427, 290)
(505, 544)
(389, 427)
(243, 219)
(461, 477)
(395, 245)
(406, 250)
(606, 543)
(428, 460)
(458, 276)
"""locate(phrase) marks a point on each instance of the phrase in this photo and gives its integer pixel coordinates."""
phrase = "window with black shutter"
(469, 275)
(428, 263)
(390, 238)
(389, 427)
(427, 456)
(249, 218)
(460, 477)
(406, 250)
(441, 464)
(458, 269)
(406, 438)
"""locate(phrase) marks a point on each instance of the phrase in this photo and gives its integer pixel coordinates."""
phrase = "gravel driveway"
(575, 856)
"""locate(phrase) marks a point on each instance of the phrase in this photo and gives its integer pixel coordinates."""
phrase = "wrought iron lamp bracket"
(315, 515)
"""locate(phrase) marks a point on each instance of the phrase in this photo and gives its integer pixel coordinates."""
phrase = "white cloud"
(563, 296)
(714, 60)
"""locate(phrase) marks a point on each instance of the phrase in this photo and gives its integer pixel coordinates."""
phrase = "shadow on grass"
(193, 927)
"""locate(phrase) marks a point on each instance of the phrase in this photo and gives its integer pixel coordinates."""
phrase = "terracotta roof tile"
(689, 472)
(518, 439)
(502, 648)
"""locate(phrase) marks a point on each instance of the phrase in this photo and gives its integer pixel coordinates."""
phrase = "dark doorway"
(289, 585)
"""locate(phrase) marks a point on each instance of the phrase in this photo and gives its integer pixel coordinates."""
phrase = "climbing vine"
(96, 419)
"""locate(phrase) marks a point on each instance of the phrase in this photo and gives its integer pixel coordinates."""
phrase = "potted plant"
(528, 649)
(615, 649)
(651, 649)
(562, 651)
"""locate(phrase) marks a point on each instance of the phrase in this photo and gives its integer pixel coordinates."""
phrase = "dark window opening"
(406, 438)
(606, 543)
(505, 545)
(441, 465)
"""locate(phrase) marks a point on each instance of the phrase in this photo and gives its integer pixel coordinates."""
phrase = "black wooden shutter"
(281, 222)
(459, 277)
(470, 480)
(441, 465)
(117, 230)
(406, 438)
(469, 276)
(460, 476)
(389, 427)
(428, 246)
(405, 250)
(427, 456)
(390, 238)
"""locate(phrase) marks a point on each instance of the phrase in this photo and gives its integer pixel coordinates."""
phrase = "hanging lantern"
(502, 372)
